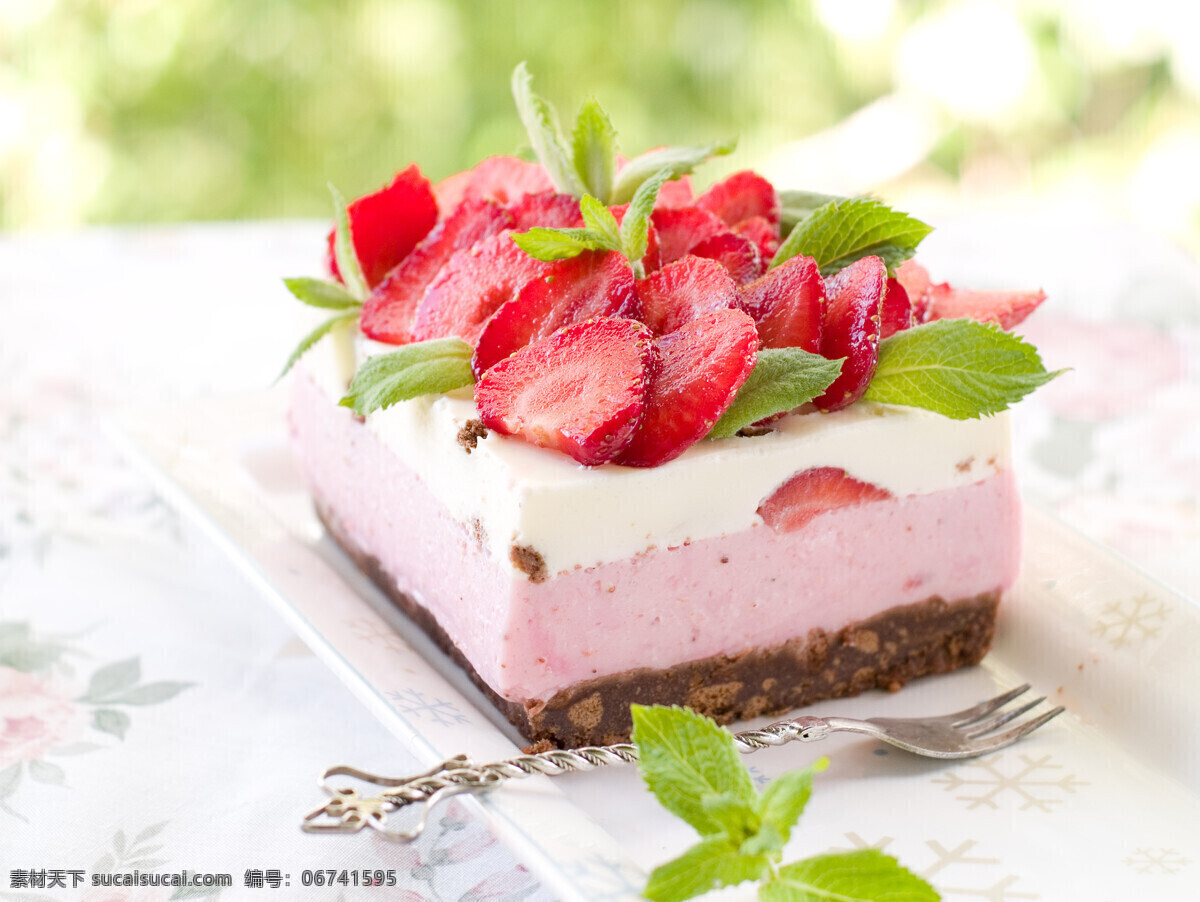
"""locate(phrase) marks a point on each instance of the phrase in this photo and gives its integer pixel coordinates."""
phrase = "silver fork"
(963, 734)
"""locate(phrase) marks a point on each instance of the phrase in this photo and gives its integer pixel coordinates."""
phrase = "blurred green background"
(136, 111)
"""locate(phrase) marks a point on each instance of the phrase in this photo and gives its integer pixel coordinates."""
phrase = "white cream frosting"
(576, 516)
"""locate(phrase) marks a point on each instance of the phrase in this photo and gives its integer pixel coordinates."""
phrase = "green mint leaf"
(321, 293)
(863, 876)
(559, 244)
(843, 231)
(316, 335)
(594, 145)
(545, 134)
(348, 263)
(677, 160)
(683, 757)
(600, 220)
(783, 801)
(795, 206)
(739, 820)
(635, 227)
(782, 379)
(959, 368)
(709, 864)
(422, 368)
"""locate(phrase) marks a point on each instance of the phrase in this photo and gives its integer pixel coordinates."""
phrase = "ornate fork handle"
(348, 811)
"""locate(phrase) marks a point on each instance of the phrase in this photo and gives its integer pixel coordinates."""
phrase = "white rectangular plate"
(1101, 805)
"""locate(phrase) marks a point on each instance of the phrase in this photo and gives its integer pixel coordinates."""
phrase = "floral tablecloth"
(157, 717)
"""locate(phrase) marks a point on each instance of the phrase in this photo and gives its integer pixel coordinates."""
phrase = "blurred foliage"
(139, 110)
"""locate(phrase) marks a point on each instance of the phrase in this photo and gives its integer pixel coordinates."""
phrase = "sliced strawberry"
(451, 191)
(701, 367)
(788, 305)
(915, 279)
(388, 312)
(546, 210)
(652, 259)
(506, 180)
(851, 329)
(472, 286)
(740, 256)
(896, 314)
(742, 196)
(682, 291)
(812, 492)
(596, 283)
(1007, 308)
(387, 225)
(675, 193)
(681, 229)
(581, 391)
(762, 233)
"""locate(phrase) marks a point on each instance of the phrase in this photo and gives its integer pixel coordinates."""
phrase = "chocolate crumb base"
(881, 652)
(470, 434)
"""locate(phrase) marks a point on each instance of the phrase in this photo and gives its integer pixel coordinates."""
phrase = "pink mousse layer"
(667, 605)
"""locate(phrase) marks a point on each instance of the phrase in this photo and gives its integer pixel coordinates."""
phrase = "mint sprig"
(782, 380)
(422, 368)
(334, 322)
(588, 165)
(796, 206)
(545, 134)
(322, 293)
(600, 231)
(959, 368)
(692, 766)
(594, 149)
(344, 253)
(842, 231)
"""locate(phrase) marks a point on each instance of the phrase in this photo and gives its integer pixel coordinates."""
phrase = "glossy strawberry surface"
(851, 329)
(788, 305)
(682, 291)
(581, 390)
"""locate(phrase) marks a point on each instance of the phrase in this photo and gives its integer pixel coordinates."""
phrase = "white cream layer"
(576, 516)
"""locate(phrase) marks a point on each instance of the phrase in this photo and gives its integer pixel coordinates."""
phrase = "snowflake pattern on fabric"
(1126, 623)
(1027, 782)
(414, 702)
(1157, 861)
(980, 882)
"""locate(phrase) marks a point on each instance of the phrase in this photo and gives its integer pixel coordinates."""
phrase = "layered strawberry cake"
(609, 440)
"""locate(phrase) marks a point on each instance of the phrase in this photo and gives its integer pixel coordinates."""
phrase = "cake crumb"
(963, 465)
(471, 433)
(542, 745)
(724, 559)
(529, 561)
(478, 532)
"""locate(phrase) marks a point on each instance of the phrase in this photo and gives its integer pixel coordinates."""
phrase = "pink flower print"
(36, 715)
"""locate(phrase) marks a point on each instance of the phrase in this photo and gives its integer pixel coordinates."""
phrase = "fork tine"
(982, 727)
(1008, 737)
(983, 709)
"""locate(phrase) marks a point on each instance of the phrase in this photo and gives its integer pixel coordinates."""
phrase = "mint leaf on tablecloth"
(112, 721)
(711, 863)
(545, 133)
(422, 368)
(344, 319)
(684, 757)
(866, 875)
(843, 231)
(677, 161)
(594, 149)
(112, 679)
(344, 253)
(959, 368)
(782, 380)
(784, 799)
(322, 293)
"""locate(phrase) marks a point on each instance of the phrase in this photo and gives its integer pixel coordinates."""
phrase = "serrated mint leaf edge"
(635, 227)
(545, 134)
(598, 219)
(768, 379)
(594, 149)
(316, 335)
(422, 368)
(894, 237)
(349, 266)
(865, 873)
(713, 862)
(902, 385)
